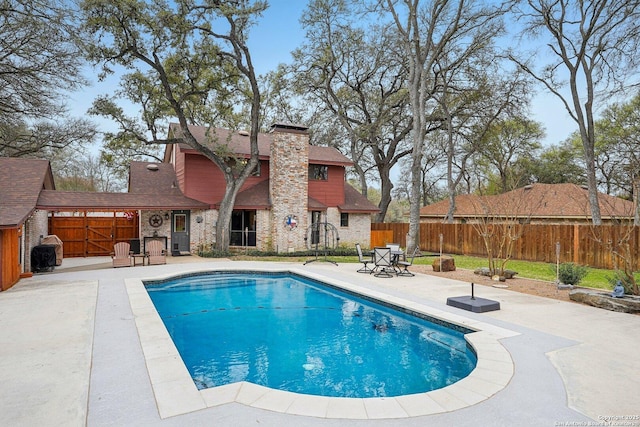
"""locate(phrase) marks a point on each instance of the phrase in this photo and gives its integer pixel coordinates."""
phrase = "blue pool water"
(288, 332)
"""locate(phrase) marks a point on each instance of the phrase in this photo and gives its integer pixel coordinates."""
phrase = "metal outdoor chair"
(405, 264)
(382, 261)
(394, 246)
(364, 260)
(121, 255)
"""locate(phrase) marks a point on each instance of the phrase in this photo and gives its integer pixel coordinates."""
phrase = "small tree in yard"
(500, 222)
(621, 240)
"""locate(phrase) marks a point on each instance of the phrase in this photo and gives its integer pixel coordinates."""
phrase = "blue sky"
(278, 33)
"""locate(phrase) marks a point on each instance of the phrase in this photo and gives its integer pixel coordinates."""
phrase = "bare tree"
(589, 46)
(38, 59)
(618, 150)
(39, 62)
(356, 72)
(501, 221)
(44, 136)
(74, 171)
(620, 239)
(435, 36)
(506, 143)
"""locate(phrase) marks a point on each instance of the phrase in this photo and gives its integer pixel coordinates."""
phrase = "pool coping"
(176, 393)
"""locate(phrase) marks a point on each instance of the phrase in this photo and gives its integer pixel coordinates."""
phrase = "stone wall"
(358, 231)
(288, 187)
(202, 234)
(264, 241)
(147, 230)
(36, 227)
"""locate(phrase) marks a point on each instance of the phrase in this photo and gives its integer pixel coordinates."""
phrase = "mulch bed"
(539, 288)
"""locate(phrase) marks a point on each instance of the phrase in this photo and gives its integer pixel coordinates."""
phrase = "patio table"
(136, 256)
(395, 257)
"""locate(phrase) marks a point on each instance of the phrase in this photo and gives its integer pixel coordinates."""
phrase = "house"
(535, 203)
(31, 208)
(152, 195)
(21, 223)
(294, 186)
(177, 201)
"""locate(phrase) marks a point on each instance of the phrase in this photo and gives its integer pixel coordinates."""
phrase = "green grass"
(595, 278)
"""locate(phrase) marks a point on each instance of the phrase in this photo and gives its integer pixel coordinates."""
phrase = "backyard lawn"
(595, 278)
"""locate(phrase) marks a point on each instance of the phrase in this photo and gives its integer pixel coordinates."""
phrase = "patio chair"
(394, 246)
(396, 252)
(364, 260)
(156, 254)
(121, 255)
(405, 264)
(382, 260)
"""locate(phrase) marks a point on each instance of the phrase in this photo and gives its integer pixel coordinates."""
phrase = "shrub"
(570, 273)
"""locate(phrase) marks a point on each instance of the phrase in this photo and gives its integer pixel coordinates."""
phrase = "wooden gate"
(84, 235)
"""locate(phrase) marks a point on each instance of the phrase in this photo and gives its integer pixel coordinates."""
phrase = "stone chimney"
(289, 186)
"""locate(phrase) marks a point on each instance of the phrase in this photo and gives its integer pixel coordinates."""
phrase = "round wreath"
(155, 220)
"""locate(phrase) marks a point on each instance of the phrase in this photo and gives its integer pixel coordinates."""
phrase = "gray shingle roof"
(355, 202)
(257, 197)
(21, 181)
(77, 200)
(151, 186)
(149, 178)
(238, 142)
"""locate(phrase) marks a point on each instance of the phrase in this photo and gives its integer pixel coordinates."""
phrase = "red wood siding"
(205, 181)
(9, 258)
(179, 161)
(331, 191)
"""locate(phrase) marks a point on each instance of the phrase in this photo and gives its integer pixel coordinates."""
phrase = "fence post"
(576, 243)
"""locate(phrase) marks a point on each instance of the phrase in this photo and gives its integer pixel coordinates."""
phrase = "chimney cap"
(288, 127)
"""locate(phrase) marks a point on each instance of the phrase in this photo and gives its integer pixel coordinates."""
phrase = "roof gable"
(22, 181)
(150, 178)
(355, 202)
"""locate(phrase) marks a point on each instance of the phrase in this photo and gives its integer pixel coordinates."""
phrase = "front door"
(180, 232)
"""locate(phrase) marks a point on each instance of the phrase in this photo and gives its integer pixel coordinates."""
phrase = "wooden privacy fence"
(578, 242)
(85, 235)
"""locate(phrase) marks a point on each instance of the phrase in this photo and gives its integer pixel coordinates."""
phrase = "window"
(318, 172)
(243, 228)
(344, 220)
(179, 223)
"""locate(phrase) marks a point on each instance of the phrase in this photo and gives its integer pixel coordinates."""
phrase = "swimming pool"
(289, 332)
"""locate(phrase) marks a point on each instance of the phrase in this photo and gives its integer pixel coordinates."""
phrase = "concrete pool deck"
(71, 354)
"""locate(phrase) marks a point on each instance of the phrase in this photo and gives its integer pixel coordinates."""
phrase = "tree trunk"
(385, 192)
